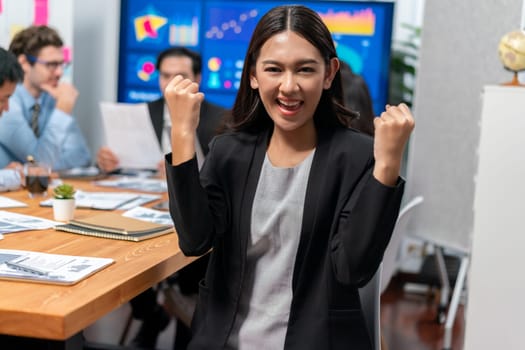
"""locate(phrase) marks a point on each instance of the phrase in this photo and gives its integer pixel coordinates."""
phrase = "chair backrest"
(390, 258)
(370, 296)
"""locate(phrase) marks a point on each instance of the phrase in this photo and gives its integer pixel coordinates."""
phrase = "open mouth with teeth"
(290, 106)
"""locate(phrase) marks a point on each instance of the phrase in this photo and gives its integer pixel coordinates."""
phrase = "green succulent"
(64, 191)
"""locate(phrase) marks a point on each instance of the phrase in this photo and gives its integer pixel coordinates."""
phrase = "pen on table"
(128, 201)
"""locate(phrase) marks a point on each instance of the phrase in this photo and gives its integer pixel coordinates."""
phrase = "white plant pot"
(63, 209)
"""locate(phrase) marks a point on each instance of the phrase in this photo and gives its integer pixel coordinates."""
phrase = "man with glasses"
(40, 121)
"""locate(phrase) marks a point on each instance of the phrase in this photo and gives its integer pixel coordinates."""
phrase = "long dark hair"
(248, 112)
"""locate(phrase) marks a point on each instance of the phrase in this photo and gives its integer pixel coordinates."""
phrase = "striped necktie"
(34, 118)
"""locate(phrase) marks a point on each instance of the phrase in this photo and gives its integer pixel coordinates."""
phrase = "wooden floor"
(408, 321)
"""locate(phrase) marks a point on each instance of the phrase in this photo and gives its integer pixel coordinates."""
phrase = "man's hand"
(13, 165)
(65, 95)
(19, 169)
(107, 161)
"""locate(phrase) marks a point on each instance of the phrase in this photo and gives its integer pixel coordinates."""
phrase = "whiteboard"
(496, 279)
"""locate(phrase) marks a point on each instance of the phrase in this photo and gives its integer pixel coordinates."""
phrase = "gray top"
(277, 214)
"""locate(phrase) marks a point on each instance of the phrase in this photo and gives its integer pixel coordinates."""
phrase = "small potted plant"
(64, 202)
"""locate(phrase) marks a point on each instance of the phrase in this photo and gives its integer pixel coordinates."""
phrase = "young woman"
(296, 207)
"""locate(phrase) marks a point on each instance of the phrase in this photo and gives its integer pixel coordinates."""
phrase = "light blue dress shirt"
(60, 144)
(9, 180)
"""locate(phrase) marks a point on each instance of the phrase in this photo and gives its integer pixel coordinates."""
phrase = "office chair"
(370, 294)
(391, 256)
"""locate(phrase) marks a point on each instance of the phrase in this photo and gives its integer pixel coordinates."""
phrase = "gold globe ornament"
(511, 51)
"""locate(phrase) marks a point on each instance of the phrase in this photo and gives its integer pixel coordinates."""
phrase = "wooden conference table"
(60, 313)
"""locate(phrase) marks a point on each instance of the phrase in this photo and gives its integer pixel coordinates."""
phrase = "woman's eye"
(272, 69)
(306, 69)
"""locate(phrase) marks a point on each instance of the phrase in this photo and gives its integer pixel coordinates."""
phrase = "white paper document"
(14, 222)
(100, 200)
(136, 183)
(130, 135)
(6, 202)
(151, 215)
(48, 268)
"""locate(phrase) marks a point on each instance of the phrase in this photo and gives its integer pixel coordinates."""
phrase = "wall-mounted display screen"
(220, 32)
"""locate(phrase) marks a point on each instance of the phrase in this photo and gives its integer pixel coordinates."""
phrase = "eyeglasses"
(51, 65)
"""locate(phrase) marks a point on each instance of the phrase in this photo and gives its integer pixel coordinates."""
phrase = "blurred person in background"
(170, 62)
(40, 121)
(11, 73)
(356, 97)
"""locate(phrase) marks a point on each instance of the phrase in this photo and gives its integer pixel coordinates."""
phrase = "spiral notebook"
(115, 226)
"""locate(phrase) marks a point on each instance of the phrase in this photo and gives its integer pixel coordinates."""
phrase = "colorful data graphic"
(351, 29)
(214, 65)
(154, 24)
(148, 26)
(146, 69)
(360, 22)
(362, 36)
(140, 76)
(184, 34)
(228, 25)
(221, 30)
(238, 26)
(342, 24)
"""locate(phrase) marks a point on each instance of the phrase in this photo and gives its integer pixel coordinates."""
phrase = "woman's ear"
(332, 69)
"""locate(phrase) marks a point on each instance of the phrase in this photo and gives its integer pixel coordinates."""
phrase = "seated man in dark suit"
(171, 62)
